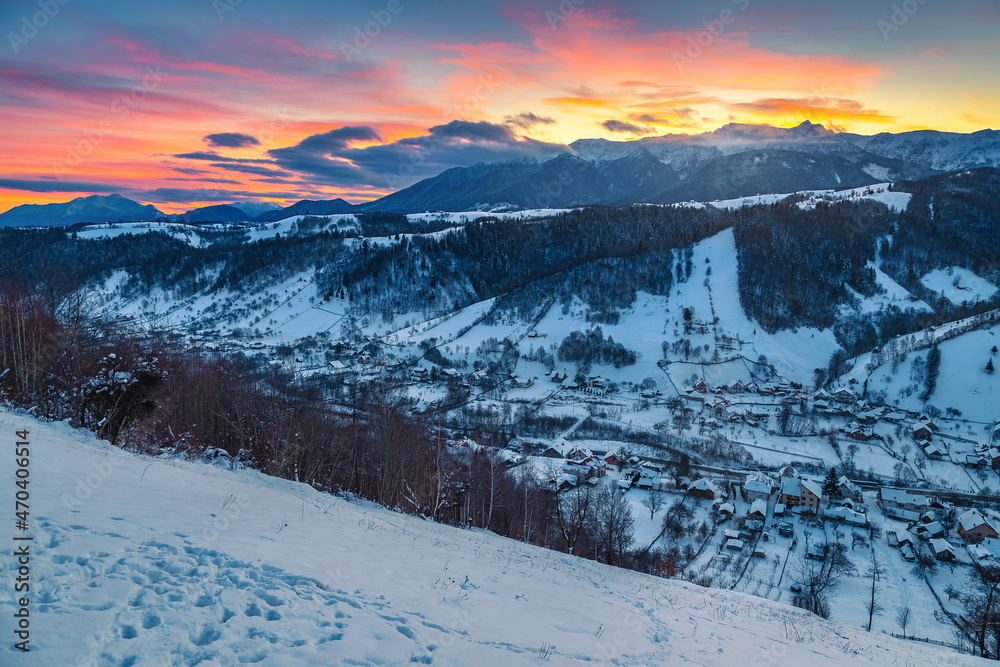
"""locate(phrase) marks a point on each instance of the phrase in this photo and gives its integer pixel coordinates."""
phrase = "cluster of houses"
(719, 406)
(923, 516)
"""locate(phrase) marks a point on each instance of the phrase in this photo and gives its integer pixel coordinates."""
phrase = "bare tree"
(612, 525)
(876, 572)
(819, 579)
(573, 513)
(653, 502)
(980, 620)
(903, 617)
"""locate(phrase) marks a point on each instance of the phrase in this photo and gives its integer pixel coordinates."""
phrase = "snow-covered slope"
(141, 561)
(959, 285)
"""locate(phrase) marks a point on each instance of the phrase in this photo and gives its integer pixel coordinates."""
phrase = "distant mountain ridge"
(733, 161)
(95, 208)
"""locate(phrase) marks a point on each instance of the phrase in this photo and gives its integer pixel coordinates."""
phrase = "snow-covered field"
(143, 561)
(959, 285)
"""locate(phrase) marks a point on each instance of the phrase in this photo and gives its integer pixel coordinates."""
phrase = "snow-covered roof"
(759, 506)
(934, 528)
(972, 519)
(940, 545)
(901, 534)
(813, 487)
(757, 486)
(851, 486)
(791, 486)
(902, 497)
(988, 548)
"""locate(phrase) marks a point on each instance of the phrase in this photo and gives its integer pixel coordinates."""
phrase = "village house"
(649, 477)
(795, 492)
(943, 550)
(849, 489)
(703, 488)
(921, 432)
(988, 548)
(898, 499)
(788, 471)
(521, 382)
(734, 545)
(583, 470)
(898, 537)
(758, 510)
(993, 454)
(935, 450)
(931, 424)
(845, 396)
(977, 461)
(856, 431)
(757, 489)
(726, 511)
(848, 516)
(598, 386)
(930, 530)
(974, 527)
(695, 396)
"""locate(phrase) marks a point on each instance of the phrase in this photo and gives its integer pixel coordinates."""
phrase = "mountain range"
(733, 161)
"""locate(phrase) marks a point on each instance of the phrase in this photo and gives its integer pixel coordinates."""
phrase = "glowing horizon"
(203, 102)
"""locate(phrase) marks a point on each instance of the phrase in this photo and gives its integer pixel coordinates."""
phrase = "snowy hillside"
(962, 381)
(141, 561)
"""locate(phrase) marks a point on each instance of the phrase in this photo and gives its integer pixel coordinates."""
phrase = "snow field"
(143, 561)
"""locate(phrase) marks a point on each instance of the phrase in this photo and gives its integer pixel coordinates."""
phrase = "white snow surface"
(155, 561)
(959, 285)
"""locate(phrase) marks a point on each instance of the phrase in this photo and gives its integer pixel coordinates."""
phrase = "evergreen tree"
(933, 365)
(989, 367)
(831, 485)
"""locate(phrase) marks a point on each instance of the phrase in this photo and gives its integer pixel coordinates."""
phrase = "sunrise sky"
(193, 102)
